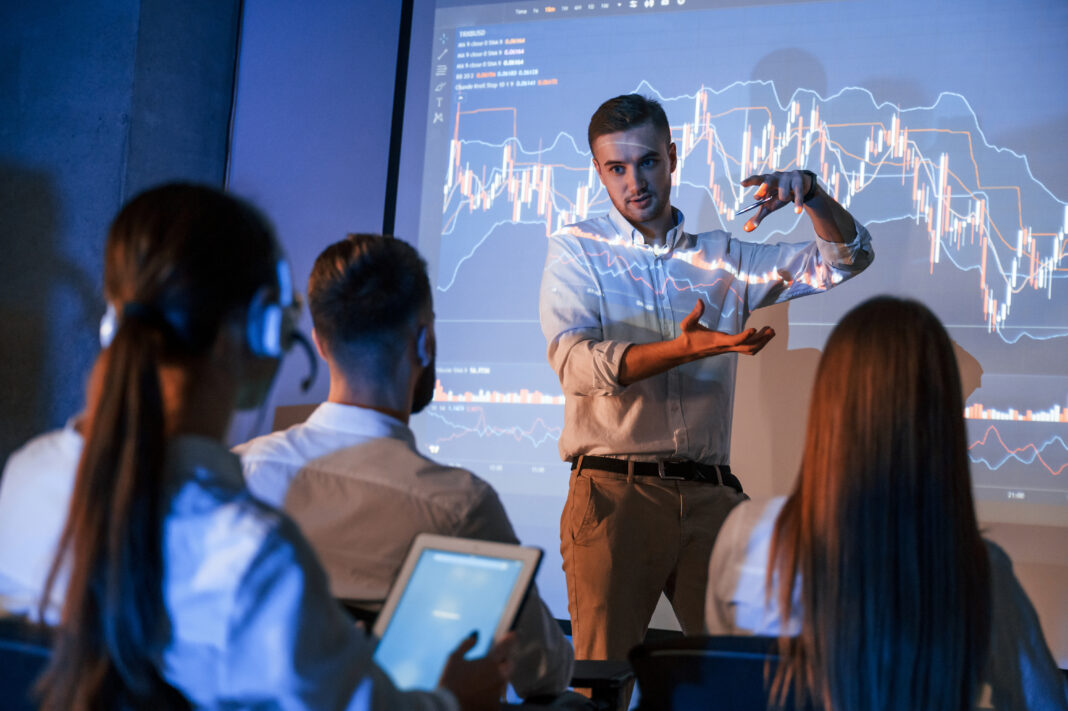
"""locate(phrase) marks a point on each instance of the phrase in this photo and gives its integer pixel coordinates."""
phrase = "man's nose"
(635, 180)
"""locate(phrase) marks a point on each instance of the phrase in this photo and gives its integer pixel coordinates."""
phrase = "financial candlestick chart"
(901, 164)
(524, 396)
(991, 231)
(1056, 413)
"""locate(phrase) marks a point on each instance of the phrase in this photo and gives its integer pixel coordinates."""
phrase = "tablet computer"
(447, 588)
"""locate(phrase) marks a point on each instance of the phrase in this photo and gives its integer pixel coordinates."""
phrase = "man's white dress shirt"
(605, 289)
(353, 481)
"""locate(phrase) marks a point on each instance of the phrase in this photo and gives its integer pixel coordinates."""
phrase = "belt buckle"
(665, 476)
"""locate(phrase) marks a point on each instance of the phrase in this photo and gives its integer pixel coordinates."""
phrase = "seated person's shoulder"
(743, 542)
(222, 512)
(1003, 582)
(269, 462)
(752, 515)
(276, 447)
(458, 501)
(53, 451)
(999, 559)
(40, 474)
(394, 462)
(218, 534)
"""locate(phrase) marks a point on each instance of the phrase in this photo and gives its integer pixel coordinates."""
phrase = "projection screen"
(941, 126)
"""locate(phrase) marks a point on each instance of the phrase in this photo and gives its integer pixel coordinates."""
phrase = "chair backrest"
(24, 651)
(710, 673)
(286, 416)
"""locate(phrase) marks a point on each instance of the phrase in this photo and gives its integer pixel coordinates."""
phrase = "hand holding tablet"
(479, 684)
(447, 588)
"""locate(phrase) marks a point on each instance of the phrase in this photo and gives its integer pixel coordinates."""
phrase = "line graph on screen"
(975, 217)
(992, 451)
(982, 210)
(526, 437)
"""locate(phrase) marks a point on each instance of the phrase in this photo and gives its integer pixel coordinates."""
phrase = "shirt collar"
(631, 234)
(364, 421)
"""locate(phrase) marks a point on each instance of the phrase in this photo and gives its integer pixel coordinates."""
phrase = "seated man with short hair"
(351, 476)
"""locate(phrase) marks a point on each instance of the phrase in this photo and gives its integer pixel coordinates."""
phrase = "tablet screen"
(447, 596)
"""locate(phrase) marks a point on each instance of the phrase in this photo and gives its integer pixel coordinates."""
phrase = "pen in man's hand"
(755, 205)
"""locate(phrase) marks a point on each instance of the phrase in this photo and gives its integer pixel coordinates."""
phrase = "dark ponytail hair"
(179, 261)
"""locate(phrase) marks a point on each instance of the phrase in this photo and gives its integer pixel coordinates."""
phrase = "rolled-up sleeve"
(774, 273)
(852, 256)
(570, 314)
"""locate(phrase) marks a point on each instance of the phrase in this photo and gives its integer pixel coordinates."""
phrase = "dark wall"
(312, 116)
(97, 102)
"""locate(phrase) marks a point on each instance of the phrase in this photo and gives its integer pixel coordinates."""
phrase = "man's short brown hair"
(627, 111)
(362, 293)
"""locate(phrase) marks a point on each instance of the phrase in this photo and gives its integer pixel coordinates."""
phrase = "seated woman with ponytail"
(895, 601)
(182, 590)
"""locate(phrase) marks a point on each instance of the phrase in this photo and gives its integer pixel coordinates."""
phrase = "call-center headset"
(269, 328)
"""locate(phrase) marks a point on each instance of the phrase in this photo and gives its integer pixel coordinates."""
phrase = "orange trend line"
(515, 116)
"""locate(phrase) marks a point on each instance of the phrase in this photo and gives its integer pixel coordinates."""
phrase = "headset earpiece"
(108, 325)
(285, 283)
(271, 328)
(264, 327)
(268, 330)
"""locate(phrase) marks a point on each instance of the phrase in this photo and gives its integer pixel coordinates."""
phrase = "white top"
(604, 289)
(353, 481)
(253, 623)
(1020, 672)
(35, 491)
(735, 603)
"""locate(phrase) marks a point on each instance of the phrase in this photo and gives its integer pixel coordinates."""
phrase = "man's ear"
(423, 347)
(318, 345)
(672, 156)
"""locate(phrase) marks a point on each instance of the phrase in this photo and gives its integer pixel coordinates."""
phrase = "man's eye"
(618, 169)
(648, 162)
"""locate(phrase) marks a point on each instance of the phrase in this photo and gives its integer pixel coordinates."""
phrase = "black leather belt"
(669, 469)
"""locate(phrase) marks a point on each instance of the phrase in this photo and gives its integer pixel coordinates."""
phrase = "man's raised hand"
(786, 187)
